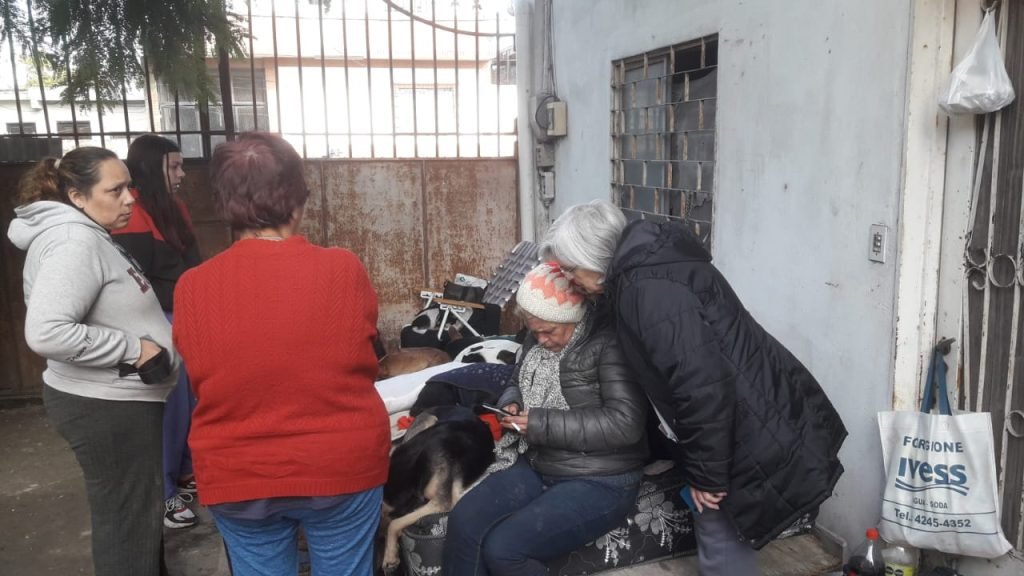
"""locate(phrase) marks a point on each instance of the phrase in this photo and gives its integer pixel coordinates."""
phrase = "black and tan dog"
(443, 454)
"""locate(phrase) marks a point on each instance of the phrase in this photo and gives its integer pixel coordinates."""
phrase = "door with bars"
(993, 295)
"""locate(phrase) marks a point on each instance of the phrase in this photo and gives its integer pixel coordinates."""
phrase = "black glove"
(156, 370)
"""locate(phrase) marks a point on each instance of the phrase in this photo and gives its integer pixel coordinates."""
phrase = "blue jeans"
(340, 539)
(177, 421)
(517, 519)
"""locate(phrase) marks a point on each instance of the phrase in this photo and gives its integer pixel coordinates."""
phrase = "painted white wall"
(468, 103)
(810, 120)
(32, 108)
(113, 119)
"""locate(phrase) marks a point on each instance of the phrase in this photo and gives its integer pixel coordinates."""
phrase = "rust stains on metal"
(314, 217)
(471, 221)
(20, 369)
(374, 210)
(416, 223)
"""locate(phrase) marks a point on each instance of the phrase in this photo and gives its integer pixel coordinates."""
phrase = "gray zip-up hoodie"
(88, 306)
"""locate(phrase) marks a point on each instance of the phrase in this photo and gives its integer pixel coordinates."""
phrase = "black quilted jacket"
(603, 432)
(751, 419)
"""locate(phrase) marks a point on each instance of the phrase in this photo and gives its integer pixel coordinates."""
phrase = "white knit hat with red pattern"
(548, 294)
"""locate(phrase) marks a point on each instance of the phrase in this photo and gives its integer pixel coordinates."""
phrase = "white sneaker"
(177, 514)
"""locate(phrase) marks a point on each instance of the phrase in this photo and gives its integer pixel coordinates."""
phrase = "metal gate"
(337, 79)
(993, 326)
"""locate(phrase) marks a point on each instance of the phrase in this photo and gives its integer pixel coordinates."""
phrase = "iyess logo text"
(921, 475)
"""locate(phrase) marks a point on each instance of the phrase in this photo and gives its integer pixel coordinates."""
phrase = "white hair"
(585, 236)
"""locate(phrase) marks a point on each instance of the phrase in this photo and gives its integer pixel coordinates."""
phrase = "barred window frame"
(663, 133)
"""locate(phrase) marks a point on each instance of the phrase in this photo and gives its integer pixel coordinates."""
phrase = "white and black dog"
(443, 454)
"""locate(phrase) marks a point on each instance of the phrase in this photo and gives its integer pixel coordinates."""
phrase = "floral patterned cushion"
(660, 526)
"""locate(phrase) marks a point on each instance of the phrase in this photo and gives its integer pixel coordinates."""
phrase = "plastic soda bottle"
(900, 560)
(867, 559)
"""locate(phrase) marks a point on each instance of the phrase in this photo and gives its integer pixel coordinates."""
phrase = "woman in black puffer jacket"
(756, 436)
(569, 464)
(602, 432)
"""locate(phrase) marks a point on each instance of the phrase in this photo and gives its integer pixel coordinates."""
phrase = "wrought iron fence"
(338, 79)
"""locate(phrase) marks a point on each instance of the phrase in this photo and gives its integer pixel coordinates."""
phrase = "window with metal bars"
(503, 68)
(248, 105)
(663, 133)
(68, 129)
(21, 127)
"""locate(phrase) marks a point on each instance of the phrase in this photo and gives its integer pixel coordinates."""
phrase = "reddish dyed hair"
(259, 181)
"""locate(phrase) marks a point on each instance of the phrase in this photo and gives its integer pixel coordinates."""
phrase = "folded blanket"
(399, 393)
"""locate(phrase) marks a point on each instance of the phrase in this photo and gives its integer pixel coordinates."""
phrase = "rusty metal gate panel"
(20, 369)
(993, 375)
(212, 234)
(375, 209)
(314, 218)
(470, 223)
(416, 223)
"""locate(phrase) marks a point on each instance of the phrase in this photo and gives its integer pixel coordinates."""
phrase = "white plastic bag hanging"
(979, 83)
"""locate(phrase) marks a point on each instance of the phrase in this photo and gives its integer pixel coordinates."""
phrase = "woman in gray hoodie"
(109, 360)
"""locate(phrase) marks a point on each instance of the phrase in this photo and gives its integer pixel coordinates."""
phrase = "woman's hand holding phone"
(517, 422)
(499, 411)
(510, 416)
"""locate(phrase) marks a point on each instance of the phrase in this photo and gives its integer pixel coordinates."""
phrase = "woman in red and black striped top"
(159, 235)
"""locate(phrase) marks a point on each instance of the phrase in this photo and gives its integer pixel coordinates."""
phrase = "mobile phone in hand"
(496, 410)
(688, 500)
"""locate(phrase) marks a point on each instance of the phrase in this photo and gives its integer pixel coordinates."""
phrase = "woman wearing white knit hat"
(578, 422)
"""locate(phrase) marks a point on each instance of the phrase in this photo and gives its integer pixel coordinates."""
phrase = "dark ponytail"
(51, 178)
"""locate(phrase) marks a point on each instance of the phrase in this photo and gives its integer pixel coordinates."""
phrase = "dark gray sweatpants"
(720, 552)
(119, 447)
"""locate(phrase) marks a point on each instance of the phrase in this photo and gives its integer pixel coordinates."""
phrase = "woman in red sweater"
(277, 335)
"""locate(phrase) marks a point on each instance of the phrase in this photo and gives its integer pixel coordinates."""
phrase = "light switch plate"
(878, 242)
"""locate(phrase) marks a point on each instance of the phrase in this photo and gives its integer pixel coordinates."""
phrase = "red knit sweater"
(277, 337)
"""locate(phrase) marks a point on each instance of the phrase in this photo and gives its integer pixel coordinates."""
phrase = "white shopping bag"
(940, 490)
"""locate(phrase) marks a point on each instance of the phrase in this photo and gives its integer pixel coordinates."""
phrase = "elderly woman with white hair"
(572, 453)
(753, 431)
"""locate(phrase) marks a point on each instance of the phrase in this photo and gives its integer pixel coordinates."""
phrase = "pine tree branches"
(99, 44)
